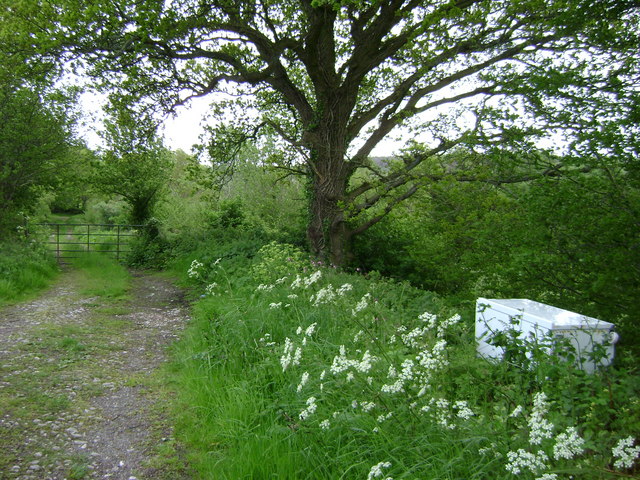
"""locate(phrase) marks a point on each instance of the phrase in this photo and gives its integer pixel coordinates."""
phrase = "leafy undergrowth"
(295, 370)
(25, 269)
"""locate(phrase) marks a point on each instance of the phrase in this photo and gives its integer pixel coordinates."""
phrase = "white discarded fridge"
(534, 319)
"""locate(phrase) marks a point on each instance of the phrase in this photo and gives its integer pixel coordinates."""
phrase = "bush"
(25, 268)
(107, 212)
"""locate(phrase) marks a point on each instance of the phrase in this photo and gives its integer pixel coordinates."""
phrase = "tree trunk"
(327, 232)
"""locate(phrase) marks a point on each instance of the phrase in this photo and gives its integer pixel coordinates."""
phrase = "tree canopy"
(35, 135)
(334, 79)
(135, 164)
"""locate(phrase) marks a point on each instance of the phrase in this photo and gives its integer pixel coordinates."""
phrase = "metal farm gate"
(70, 240)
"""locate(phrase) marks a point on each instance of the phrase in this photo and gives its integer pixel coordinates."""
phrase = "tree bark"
(327, 232)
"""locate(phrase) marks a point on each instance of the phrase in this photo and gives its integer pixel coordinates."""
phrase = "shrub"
(107, 212)
(25, 268)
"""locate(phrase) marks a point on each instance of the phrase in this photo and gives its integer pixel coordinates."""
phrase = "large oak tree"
(335, 78)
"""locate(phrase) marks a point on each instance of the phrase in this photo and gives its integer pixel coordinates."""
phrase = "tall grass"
(103, 275)
(292, 370)
(25, 269)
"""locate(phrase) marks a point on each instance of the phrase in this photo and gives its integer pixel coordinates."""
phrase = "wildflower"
(292, 296)
(210, 290)
(411, 339)
(626, 453)
(273, 306)
(322, 374)
(280, 281)
(266, 340)
(376, 470)
(299, 330)
(433, 360)
(568, 444)
(464, 411)
(384, 418)
(540, 427)
(429, 319)
(325, 424)
(367, 406)
(265, 288)
(303, 381)
(310, 329)
(340, 362)
(350, 376)
(396, 387)
(297, 356)
(516, 412)
(323, 296)
(285, 359)
(297, 283)
(548, 476)
(483, 451)
(193, 271)
(357, 336)
(449, 322)
(361, 305)
(347, 287)
(442, 413)
(310, 410)
(366, 363)
(313, 278)
(407, 370)
(523, 459)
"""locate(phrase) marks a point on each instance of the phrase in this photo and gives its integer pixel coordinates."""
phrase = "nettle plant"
(355, 363)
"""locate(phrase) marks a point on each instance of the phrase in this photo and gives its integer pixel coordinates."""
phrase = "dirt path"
(80, 392)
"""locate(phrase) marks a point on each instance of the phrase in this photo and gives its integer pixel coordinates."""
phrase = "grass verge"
(296, 371)
(25, 270)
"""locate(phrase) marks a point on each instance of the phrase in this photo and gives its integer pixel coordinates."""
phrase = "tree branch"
(390, 206)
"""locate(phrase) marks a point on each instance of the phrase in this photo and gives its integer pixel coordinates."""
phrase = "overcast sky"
(179, 132)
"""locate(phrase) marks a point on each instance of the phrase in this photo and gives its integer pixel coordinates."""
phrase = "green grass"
(241, 414)
(25, 270)
(103, 276)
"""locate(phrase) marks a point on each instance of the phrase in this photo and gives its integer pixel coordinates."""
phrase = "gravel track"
(80, 397)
